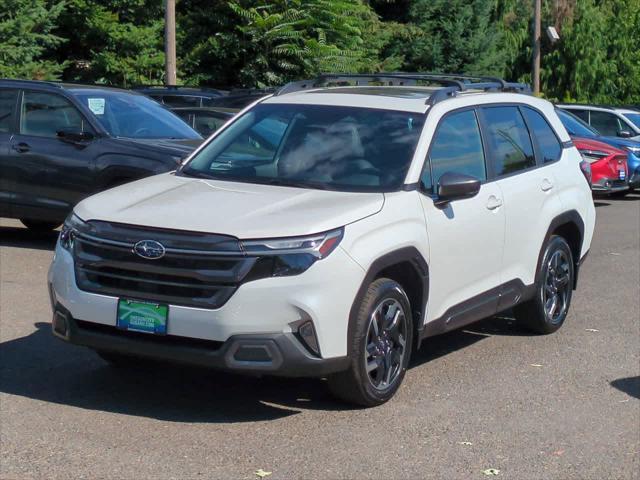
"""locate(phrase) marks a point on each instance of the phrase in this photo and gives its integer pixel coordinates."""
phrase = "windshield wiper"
(294, 183)
(187, 172)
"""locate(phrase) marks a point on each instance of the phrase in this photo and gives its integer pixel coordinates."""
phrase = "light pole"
(535, 71)
(170, 42)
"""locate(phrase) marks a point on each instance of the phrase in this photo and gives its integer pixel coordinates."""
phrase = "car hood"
(164, 146)
(242, 210)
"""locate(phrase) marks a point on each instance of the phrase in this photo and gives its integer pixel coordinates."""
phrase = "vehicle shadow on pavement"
(24, 238)
(628, 385)
(44, 368)
(41, 367)
(438, 346)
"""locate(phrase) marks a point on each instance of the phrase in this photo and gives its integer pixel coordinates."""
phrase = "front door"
(466, 237)
(8, 99)
(49, 174)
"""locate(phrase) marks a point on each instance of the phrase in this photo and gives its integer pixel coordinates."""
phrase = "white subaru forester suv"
(329, 228)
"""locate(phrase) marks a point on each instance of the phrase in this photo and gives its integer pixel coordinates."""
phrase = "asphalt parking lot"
(488, 397)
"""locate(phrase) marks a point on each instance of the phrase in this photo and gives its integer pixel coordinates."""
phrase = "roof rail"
(37, 82)
(175, 87)
(451, 83)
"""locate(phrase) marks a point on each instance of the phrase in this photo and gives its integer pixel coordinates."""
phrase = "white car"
(326, 231)
(608, 121)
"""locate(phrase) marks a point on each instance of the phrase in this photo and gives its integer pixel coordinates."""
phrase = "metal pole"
(170, 42)
(536, 46)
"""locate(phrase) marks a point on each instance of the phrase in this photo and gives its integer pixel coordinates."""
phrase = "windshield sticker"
(96, 105)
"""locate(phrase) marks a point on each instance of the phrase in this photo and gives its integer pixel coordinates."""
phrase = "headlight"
(69, 230)
(281, 257)
(319, 245)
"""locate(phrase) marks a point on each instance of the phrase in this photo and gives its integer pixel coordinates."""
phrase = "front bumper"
(274, 354)
(274, 306)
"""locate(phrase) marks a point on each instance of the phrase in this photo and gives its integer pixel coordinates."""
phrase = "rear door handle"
(546, 185)
(21, 147)
(494, 202)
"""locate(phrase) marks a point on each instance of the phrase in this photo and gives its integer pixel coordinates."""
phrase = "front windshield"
(575, 126)
(634, 117)
(315, 146)
(132, 115)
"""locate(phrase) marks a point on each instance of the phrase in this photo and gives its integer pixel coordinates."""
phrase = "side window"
(547, 141)
(581, 114)
(206, 123)
(7, 109)
(606, 123)
(456, 147)
(44, 114)
(508, 137)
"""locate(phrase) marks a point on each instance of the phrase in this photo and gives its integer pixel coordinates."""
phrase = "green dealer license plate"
(145, 317)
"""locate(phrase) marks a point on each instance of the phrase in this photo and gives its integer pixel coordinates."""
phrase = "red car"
(609, 169)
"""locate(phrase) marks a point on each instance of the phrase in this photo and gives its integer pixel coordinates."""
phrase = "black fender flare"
(406, 254)
(568, 217)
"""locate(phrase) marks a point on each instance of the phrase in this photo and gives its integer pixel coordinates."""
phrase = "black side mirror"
(73, 136)
(625, 134)
(456, 186)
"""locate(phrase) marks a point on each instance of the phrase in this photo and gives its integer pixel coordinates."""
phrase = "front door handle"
(494, 202)
(546, 185)
(21, 147)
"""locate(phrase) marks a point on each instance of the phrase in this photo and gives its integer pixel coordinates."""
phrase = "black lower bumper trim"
(279, 354)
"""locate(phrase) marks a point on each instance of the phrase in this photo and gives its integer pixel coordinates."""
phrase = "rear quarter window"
(548, 143)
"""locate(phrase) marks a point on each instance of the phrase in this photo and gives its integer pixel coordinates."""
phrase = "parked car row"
(614, 159)
(61, 142)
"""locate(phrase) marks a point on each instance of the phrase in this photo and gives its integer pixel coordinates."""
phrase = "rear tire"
(547, 311)
(380, 348)
(39, 226)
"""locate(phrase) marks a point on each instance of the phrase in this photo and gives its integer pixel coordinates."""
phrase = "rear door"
(522, 164)
(49, 174)
(465, 237)
(8, 101)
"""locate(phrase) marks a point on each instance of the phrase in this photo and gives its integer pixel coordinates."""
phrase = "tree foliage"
(455, 36)
(26, 39)
(267, 42)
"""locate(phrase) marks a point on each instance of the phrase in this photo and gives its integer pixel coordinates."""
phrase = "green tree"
(454, 36)
(114, 41)
(259, 42)
(26, 39)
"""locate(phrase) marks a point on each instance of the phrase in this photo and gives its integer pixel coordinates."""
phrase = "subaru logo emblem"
(149, 249)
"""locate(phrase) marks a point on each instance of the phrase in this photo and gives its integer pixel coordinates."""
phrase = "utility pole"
(535, 73)
(170, 42)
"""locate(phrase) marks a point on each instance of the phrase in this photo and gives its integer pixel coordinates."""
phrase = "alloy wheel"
(555, 294)
(386, 343)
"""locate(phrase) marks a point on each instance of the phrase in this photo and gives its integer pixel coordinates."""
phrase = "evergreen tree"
(26, 39)
(454, 36)
(114, 41)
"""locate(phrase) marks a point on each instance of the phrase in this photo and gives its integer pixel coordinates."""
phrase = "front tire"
(547, 311)
(380, 348)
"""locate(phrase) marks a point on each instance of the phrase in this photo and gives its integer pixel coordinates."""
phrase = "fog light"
(307, 334)
(60, 324)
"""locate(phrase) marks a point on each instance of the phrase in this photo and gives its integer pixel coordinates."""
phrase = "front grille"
(197, 270)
